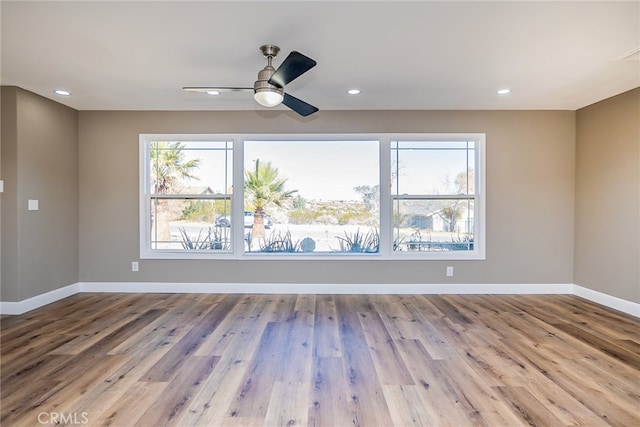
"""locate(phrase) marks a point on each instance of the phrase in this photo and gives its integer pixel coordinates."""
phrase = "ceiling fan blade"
(291, 68)
(298, 106)
(219, 89)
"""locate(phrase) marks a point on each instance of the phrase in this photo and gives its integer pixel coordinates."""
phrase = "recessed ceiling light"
(503, 91)
(62, 92)
(353, 91)
(213, 92)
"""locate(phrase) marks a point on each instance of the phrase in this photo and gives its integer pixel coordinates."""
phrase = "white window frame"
(146, 252)
(386, 200)
(479, 197)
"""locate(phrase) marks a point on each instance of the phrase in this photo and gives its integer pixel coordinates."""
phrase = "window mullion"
(386, 208)
(178, 196)
(237, 197)
(431, 197)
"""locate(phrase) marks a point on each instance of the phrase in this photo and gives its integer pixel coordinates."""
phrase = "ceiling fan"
(268, 90)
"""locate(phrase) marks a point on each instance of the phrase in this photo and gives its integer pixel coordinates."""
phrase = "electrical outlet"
(449, 271)
(135, 266)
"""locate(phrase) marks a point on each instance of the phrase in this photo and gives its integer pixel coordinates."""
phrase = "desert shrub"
(278, 242)
(301, 216)
(212, 239)
(359, 242)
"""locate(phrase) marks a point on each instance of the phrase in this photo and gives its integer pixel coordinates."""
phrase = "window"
(312, 196)
(187, 185)
(319, 197)
(434, 198)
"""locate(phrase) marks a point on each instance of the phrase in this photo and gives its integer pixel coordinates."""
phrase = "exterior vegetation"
(336, 213)
(211, 239)
(205, 210)
(169, 167)
(263, 187)
(360, 243)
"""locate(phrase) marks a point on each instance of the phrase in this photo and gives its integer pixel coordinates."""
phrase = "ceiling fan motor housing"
(265, 93)
(263, 80)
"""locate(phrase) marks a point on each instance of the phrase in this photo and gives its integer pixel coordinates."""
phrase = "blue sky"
(323, 170)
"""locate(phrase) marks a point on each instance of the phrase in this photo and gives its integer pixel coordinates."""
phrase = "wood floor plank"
(215, 401)
(83, 368)
(298, 347)
(449, 310)
(152, 344)
(240, 422)
(627, 392)
(167, 366)
(326, 338)
(564, 406)
(428, 333)
(18, 402)
(252, 398)
(407, 407)
(34, 363)
(384, 353)
(247, 313)
(63, 394)
(72, 308)
(477, 396)
(528, 407)
(167, 408)
(289, 404)
(437, 393)
(398, 319)
(366, 396)
(322, 360)
(329, 401)
(585, 390)
(182, 314)
(606, 346)
(127, 410)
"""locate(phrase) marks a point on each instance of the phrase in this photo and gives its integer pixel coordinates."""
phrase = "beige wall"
(83, 168)
(607, 244)
(530, 197)
(39, 161)
(9, 218)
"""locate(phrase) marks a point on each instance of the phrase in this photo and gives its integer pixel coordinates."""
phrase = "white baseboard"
(324, 288)
(616, 303)
(38, 301)
(319, 288)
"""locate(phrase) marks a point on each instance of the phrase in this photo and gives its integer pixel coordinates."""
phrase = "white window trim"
(386, 206)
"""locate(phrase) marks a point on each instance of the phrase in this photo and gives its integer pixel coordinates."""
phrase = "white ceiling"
(119, 55)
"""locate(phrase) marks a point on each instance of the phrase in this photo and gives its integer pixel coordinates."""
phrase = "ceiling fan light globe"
(268, 98)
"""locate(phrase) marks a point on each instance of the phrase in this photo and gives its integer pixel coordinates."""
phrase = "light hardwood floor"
(321, 360)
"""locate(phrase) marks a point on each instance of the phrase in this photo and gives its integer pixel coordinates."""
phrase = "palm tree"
(263, 188)
(168, 165)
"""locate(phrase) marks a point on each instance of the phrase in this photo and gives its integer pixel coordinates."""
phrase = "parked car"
(225, 220)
